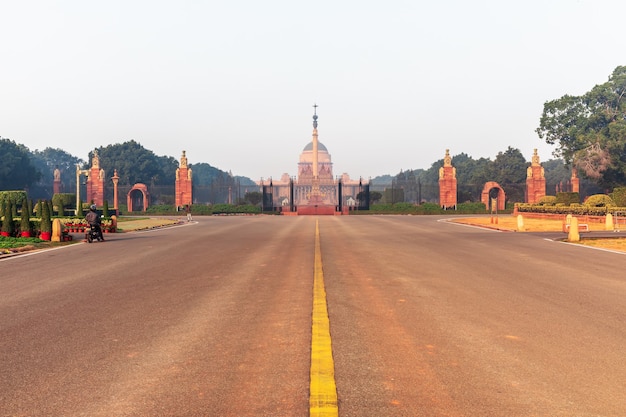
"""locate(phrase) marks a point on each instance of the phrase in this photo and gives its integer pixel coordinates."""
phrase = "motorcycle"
(94, 233)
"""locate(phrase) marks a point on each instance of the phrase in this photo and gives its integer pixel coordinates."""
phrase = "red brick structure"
(575, 181)
(493, 204)
(56, 184)
(95, 182)
(138, 198)
(535, 181)
(447, 183)
(183, 183)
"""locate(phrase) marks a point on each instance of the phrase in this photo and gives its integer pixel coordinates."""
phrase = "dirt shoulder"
(509, 223)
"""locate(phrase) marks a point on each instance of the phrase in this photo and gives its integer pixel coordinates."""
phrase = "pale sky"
(233, 82)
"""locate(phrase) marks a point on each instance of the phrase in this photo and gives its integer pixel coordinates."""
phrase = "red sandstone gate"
(138, 198)
(489, 194)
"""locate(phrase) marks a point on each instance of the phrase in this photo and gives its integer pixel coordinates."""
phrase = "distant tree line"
(508, 169)
(22, 169)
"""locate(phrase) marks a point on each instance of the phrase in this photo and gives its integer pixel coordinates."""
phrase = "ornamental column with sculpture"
(56, 184)
(447, 183)
(183, 183)
(95, 182)
(535, 181)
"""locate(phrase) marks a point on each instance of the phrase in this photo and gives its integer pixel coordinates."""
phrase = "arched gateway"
(492, 191)
(138, 198)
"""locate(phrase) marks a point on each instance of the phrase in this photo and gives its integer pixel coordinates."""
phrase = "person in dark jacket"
(93, 219)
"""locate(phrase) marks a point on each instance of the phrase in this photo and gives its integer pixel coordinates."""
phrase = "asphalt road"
(213, 318)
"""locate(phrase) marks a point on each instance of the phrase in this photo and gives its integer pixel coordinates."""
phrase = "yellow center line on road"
(323, 390)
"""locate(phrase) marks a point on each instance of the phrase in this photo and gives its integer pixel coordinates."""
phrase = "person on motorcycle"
(93, 219)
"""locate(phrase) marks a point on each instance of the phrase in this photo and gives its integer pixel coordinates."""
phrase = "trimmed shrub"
(46, 221)
(547, 200)
(25, 217)
(619, 196)
(567, 198)
(62, 201)
(471, 208)
(14, 196)
(7, 222)
(599, 200)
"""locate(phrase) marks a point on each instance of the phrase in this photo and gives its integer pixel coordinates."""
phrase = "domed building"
(324, 163)
(316, 190)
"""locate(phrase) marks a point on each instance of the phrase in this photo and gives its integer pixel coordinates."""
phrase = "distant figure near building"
(188, 211)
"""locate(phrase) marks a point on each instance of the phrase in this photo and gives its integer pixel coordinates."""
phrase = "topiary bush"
(547, 200)
(46, 221)
(8, 228)
(599, 200)
(61, 201)
(567, 198)
(619, 196)
(25, 219)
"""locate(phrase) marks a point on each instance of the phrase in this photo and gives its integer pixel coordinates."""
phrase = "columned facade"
(315, 190)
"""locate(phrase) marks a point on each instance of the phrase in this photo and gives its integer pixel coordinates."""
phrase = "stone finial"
(535, 158)
(183, 160)
(447, 160)
(95, 160)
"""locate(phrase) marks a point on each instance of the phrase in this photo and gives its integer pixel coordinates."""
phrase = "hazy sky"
(233, 82)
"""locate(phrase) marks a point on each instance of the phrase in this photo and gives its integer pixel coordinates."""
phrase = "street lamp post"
(79, 172)
(115, 180)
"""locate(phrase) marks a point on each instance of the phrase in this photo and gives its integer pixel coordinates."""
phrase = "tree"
(590, 130)
(46, 162)
(7, 222)
(254, 197)
(25, 219)
(135, 164)
(16, 169)
(375, 196)
(205, 174)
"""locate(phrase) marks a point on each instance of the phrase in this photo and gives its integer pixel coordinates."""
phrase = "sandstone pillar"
(447, 183)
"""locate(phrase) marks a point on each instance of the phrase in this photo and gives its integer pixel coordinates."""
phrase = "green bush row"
(426, 208)
(576, 209)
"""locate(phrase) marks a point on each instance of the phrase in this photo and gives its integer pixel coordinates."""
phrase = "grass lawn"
(545, 225)
(11, 245)
(129, 224)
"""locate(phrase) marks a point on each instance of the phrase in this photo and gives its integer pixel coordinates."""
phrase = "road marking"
(323, 390)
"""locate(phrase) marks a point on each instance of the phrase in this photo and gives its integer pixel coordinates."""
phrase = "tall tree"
(16, 168)
(46, 162)
(205, 174)
(136, 164)
(590, 130)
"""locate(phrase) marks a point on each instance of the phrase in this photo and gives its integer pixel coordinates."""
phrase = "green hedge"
(61, 201)
(599, 200)
(619, 196)
(15, 197)
(578, 209)
(567, 198)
